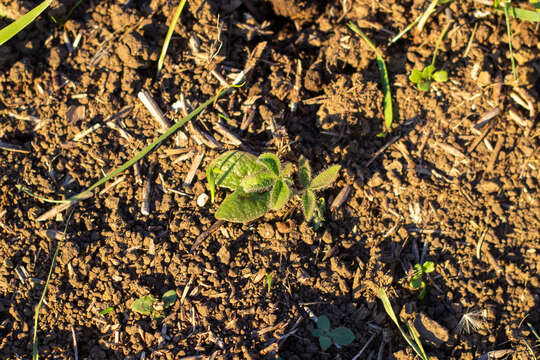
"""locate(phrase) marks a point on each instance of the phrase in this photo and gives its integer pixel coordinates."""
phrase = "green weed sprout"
(417, 281)
(261, 184)
(148, 305)
(412, 339)
(424, 78)
(18, 25)
(339, 336)
(169, 36)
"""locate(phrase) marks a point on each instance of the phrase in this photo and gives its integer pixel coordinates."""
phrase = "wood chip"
(486, 117)
(86, 132)
(55, 210)
(193, 170)
(340, 198)
(232, 137)
(154, 110)
(514, 115)
(529, 99)
(494, 155)
(480, 137)
(450, 149)
(248, 118)
(75, 113)
(204, 137)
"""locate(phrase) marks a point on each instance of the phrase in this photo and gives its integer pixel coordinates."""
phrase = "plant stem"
(169, 35)
(440, 40)
(509, 32)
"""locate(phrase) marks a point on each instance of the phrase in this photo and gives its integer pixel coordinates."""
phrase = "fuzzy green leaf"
(424, 85)
(309, 202)
(325, 178)
(169, 298)
(440, 76)
(342, 336)
(241, 207)
(428, 266)
(323, 323)
(418, 269)
(287, 170)
(325, 342)
(428, 71)
(416, 76)
(143, 305)
(259, 182)
(231, 167)
(304, 172)
(271, 161)
(280, 195)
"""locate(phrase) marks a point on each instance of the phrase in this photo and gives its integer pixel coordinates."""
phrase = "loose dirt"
(431, 189)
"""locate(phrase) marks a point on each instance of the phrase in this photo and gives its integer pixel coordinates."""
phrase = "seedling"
(106, 311)
(261, 184)
(15, 27)
(339, 336)
(417, 281)
(268, 281)
(149, 305)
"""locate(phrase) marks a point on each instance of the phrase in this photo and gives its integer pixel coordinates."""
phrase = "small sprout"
(268, 281)
(148, 305)
(417, 281)
(106, 311)
(263, 184)
(339, 336)
(424, 78)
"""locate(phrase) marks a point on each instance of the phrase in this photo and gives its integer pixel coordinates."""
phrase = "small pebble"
(202, 200)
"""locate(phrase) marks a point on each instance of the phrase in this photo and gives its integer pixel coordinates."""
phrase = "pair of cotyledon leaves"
(327, 336)
(261, 184)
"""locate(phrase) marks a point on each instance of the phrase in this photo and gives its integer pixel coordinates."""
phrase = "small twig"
(381, 150)
(153, 108)
(13, 148)
(193, 170)
(495, 153)
(75, 349)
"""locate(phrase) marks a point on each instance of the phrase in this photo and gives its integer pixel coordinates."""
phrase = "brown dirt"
(315, 92)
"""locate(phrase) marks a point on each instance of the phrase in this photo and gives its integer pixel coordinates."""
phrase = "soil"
(432, 189)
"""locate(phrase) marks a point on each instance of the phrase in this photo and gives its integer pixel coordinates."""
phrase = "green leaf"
(211, 178)
(280, 195)
(308, 200)
(232, 166)
(316, 332)
(325, 178)
(106, 311)
(428, 266)
(18, 25)
(424, 85)
(524, 14)
(287, 170)
(416, 76)
(241, 207)
(440, 76)
(304, 172)
(271, 161)
(169, 298)
(323, 323)
(418, 269)
(416, 282)
(325, 342)
(143, 305)
(342, 336)
(422, 294)
(259, 182)
(428, 71)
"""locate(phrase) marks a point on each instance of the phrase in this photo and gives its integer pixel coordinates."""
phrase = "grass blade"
(526, 15)
(169, 36)
(509, 32)
(388, 107)
(416, 346)
(430, 10)
(15, 27)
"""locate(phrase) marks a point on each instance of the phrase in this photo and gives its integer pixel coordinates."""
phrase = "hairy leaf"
(143, 305)
(271, 161)
(325, 178)
(342, 336)
(316, 332)
(309, 202)
(259, 182)
(169, 298)
(242, 207)
(230, 168)
(325, 342)
(428, 71)
(416, 76)
(280, 195)
(323, 323)
(304, 172)
(287, 169)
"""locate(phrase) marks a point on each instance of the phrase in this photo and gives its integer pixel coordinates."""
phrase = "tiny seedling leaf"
(242, 207)
(271, 161)
(424, 85)
(304, 172)
(106, 311)
(323, 323)
(416, 76)
(143, 305)
(325, 178)
(232, 166)
(287, 170)
(418, 269)
(169, 298)
(316, 332)
(18, 25)
(280, 195)
(325, 342)
(428, 266)
(342, 336)
(259, 182)
(416, 282)
(428, 71)
(440, 76)
(309, 202)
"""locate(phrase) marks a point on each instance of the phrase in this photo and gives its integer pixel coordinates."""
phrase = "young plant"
(339, 336)
(424, 78)
(261, 184)
(149, 305)
(417, 281)
(18, 25)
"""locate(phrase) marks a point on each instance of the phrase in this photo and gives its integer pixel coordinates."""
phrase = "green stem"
(169, 35)
(509, 32)
(439, 41)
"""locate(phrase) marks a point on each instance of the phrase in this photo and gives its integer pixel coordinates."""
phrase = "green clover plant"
(339, 336)
(417, 281)
(261, 184)
(424, 78)
(148, 305)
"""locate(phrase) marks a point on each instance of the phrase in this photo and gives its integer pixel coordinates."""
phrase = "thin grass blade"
(169, 36)
(385, 80)
(14, 28)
